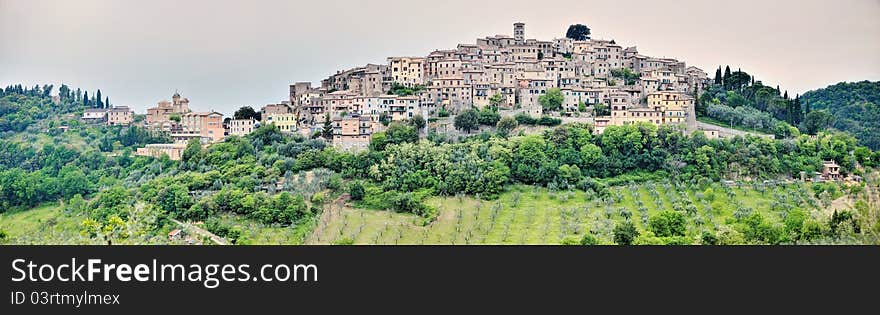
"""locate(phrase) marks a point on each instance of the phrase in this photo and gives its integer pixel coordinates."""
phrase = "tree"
(401, 133)
(496, 100)
(98, 99)
(816, 121)
(625, 233)
(589, 240)
(505, 125)
(578, 32)
(718, 79)
(418, 122)
(552, 100)
(193, 151)
(601, 109)
(668, 224)
(356, 190)
(246, 112)
(174, 199)
(86, 99)
(726, 77)
(327, 132)
(107, 101)
(467, 120)
(488, 116)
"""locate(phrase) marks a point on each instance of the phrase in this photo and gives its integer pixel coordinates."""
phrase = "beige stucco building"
(120, 116)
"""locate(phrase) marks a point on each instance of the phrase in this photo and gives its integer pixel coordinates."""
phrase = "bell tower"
(519, 33)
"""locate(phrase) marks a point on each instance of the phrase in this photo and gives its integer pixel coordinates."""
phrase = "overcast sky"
(226, 54)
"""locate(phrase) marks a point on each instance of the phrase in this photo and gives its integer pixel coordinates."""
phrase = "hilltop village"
(600, 82)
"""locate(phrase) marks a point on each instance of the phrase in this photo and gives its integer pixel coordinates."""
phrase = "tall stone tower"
(519, 33)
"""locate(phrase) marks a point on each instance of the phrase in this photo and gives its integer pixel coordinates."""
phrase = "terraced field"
(532, 215)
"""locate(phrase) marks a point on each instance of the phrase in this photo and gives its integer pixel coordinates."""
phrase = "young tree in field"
(552, 100)
(578, 32)
(467, 120)
(625, 233)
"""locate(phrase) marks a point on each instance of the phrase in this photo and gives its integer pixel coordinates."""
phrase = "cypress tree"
(86, 99)
(328, 128)
(98, 100)
(107, 101)
(718, 76)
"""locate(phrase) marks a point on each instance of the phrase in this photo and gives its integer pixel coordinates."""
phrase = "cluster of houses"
(509, 72)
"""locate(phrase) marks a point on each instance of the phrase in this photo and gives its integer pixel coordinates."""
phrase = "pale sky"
(227, 54)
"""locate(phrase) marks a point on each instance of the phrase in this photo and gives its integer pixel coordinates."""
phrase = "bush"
(343, 241)
(589, 240)
(525, 119)
(356, 190)
(549, 121)
(708, 238)
(625, 233)
(668, 224)
(569, 241)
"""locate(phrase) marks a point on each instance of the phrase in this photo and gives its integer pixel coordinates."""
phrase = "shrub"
(343, 241)
(625, 233)
(589, 240)
(668, 223)
(356, 190)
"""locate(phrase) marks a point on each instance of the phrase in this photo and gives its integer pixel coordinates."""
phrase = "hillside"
(855, 107)
(272, 187)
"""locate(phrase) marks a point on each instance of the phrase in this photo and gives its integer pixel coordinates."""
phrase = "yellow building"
(673, 104)
(407, 71)
(284, 122)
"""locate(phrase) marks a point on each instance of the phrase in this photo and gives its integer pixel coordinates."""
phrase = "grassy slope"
(528, 215)
(46, 224)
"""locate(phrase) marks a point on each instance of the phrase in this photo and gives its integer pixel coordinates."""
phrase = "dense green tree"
(817, 120)
(418, 122)
(668, 224)
(578, 32)
(246, 112)
(552, 100)
(505, 125)
(356, 190)
(193, 151)
(625, 233)
(467, 120)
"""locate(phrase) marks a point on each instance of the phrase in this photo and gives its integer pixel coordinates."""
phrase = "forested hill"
(854, 108)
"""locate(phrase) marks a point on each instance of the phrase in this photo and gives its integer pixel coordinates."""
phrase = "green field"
(532, 215)
(46, 224)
